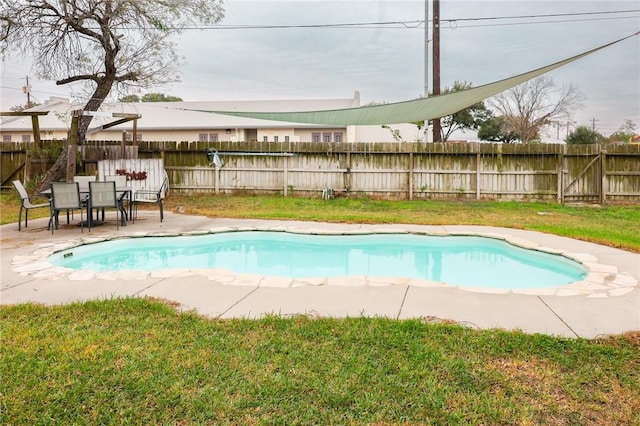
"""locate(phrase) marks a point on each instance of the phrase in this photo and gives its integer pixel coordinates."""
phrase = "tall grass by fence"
(591, 173)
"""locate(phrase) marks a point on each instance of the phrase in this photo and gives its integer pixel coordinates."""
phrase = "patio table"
(121, 193)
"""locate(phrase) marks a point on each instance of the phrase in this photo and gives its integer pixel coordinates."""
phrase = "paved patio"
(606, 302)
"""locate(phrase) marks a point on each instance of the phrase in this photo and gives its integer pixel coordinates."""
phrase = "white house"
(195, 121)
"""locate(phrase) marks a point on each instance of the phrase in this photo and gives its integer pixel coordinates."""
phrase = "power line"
(412, 24)
(409, 24)
(399, 25)
(564, 21)
(550, 15)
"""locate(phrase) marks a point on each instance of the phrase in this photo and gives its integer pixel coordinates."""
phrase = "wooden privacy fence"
(100, 151)
(412, 170)
(573, 173)
(22, 161)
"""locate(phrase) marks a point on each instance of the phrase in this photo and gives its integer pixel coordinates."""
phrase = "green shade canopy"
(410, 111)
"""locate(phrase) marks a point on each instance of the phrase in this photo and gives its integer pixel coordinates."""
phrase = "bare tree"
(529, 107)
(100, 43)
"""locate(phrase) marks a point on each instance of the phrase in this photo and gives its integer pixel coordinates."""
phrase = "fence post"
(216, 180)
(285, 176)
(411, 174)
(560, 172)
(478, 173)
(347, 173)
(123, 146)
(603, 176)
(27, 166)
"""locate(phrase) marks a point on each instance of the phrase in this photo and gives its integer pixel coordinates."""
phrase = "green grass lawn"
(139, 361)
(136, 361)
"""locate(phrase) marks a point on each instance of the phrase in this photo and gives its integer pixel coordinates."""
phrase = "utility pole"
(426, 63)
(27, 90)
(437, 137)
(593, 124)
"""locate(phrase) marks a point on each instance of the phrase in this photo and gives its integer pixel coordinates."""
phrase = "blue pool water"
(455, 260)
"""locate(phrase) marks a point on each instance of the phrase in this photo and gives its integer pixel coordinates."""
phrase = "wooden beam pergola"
(123, 118)
(35, 123)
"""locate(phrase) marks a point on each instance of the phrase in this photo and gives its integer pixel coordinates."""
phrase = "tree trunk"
(64, 167)
(56, 172)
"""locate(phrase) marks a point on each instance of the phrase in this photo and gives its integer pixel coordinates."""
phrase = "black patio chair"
(65, 196)
(145, 196)
(102, 195)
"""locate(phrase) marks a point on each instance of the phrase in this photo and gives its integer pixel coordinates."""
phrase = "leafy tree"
(101, 44)
(129, 98)
(18, 108)
(529, 107)
(470, 118)
(160, 97)
(150, 97)
(584, 136)
(625, 133)
(495, 129)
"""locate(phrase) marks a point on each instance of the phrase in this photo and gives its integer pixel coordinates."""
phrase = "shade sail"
(409, 111)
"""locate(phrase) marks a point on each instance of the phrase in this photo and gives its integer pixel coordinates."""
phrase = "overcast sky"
(385, 63)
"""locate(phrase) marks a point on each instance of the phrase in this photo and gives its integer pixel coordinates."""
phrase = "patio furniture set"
(89, 195)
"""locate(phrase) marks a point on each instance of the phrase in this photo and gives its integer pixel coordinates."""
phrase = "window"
(213, 137)
(337, 137)
(315, 137)
(286, 138)
(265, 139)
(129, 137)
(6, 138)
(275, 139)
(26, 138)
(326, 137)
(203, 137)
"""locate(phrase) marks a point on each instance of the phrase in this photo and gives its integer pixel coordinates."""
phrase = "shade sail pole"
(437, 133)
(426, 63)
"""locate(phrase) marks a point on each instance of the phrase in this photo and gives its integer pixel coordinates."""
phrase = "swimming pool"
(469, 261)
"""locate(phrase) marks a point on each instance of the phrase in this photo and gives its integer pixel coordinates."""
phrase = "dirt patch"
(16, 242)
(630, 337)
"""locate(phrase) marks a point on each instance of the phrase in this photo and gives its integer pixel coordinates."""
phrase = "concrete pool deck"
(606, 302)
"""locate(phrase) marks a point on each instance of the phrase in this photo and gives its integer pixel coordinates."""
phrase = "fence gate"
(142, 174)
(585, 181)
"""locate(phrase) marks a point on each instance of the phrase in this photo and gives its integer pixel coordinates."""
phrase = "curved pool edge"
(602, 280)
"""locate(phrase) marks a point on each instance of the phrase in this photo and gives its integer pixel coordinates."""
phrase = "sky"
(386, 63)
